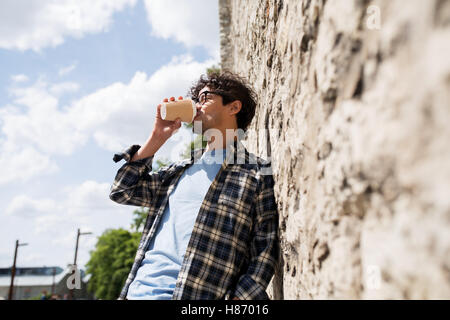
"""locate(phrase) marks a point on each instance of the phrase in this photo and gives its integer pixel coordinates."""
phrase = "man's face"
(212, 113)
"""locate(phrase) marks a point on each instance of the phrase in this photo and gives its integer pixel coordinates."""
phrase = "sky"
(80, 80)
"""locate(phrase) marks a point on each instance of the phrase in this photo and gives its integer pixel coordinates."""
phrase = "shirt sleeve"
(264, 246)
(134, 183)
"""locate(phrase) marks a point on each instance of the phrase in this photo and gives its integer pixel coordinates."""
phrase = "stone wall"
(355, 96)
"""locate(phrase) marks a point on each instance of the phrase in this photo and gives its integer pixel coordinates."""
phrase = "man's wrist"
(150, 147)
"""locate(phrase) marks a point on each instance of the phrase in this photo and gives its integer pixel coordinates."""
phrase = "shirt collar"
(236, 153)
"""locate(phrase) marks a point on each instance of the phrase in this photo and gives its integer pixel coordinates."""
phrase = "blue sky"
(78, 83)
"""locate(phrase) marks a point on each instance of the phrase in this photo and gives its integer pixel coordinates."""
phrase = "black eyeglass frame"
(219, 93)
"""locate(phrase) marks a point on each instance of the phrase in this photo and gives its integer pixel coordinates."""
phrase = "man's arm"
(264, 246)
(134, 183)
(153, 143)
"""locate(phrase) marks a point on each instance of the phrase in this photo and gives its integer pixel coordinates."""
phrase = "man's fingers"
(172, 99)
(177, 123)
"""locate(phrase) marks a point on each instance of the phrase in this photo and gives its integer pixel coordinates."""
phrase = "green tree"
(140, 215)
(161, 163)
(111, 262)
(193, 145)
(213, 69)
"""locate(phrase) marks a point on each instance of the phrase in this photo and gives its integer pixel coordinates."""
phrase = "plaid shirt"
(234, 245)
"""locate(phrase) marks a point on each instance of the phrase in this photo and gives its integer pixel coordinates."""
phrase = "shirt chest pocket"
(236, 199)
(236, 220)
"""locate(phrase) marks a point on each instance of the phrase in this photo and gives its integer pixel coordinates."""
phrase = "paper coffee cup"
(184, 109)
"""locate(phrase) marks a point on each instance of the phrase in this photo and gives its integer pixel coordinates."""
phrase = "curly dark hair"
(231, 87)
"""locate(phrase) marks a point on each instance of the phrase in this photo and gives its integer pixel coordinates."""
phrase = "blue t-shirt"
(157, 275)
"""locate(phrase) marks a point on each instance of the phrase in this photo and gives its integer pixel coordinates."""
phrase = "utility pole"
(75, 259)
(13, 270)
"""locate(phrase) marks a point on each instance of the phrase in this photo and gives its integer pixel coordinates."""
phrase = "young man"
(212, 227)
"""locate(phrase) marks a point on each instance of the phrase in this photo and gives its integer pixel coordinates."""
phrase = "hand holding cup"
(166, 128)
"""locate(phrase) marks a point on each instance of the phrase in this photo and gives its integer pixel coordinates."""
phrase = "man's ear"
(235, 107)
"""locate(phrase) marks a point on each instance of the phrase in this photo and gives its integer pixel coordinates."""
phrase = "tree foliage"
(140, 215)
(193, 145)
(111, 262)
(161, 163)
(213, 69)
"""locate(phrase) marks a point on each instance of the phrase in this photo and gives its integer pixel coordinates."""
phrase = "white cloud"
(121, 114)
(19, 164)
(66, 70)
(32, 129)
(25, 207)
(193, 23)
(64, 87)
(86, 205)
(35, 126)
(90, 195)
(36, 24)
(19, 78)
(43, 126)
(55, 220)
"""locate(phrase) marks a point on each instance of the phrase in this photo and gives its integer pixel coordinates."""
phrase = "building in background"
(33, 281)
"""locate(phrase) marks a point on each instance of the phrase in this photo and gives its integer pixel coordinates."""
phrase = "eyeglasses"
(206, 95)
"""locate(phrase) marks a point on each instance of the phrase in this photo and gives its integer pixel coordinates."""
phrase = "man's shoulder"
(255, 165)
